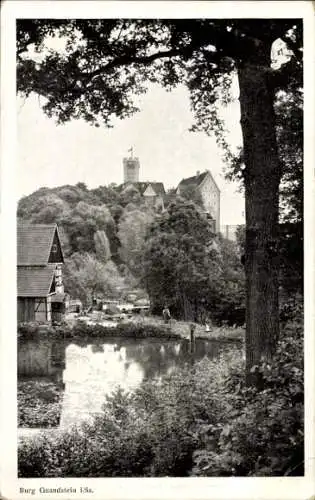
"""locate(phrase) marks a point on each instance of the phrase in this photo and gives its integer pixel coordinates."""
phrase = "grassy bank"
(200, 421)
(138, 327)
(182, 329)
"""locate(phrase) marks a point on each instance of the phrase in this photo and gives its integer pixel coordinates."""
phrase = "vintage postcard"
(157, 219)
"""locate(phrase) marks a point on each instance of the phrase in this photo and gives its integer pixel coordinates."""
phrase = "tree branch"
(128, 59)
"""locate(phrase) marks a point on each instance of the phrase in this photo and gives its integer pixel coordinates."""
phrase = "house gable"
(158, 188)
(56, 255)
(129, 186)
(34, 244)
(208, 178)
(196, 181)
(149, 191)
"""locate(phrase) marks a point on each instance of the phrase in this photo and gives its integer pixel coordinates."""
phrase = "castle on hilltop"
(154, 193)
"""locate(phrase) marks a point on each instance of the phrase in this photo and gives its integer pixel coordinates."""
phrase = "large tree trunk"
(262, 177)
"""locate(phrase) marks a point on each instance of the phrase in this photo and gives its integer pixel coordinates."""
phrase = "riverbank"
(137, 327)
(182, 329)
(82, 330)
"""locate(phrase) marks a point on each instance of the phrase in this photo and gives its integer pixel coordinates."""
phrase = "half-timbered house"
(40, 291)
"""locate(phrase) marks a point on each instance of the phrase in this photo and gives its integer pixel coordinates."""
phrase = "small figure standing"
(166, 314)
(207, 328)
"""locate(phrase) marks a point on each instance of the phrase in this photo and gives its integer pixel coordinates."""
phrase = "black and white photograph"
(160, 233)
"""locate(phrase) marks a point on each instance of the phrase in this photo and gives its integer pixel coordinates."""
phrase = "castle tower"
(131, 169)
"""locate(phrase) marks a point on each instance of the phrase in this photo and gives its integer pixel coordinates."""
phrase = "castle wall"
(211, 199)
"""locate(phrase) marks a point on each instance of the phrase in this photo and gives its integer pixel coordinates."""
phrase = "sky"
(52, 155)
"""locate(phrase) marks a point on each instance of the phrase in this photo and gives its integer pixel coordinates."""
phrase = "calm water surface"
(88, 371)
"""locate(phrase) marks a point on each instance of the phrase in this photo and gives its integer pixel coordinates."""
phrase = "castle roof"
(158, 187)
(196, 180)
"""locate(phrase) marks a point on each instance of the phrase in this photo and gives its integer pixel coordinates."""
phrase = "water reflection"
(44, 359)
(90, 370)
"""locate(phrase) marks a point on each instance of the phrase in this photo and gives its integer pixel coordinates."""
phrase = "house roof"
(34, 242)
(158, 187)
(142, 186)
(196, 180)
(34, 281)
(193, 181)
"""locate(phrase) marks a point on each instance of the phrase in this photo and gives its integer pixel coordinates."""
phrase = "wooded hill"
(113, 241)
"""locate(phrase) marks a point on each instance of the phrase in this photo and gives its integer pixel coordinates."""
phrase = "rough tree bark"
(262, 178)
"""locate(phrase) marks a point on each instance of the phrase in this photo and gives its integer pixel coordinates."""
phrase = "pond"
(82, 373)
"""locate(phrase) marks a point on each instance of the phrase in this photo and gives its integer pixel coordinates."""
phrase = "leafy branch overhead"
(94, 68)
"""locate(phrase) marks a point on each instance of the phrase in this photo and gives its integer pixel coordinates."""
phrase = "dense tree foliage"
(230, 304)
(289, 113)
(132, 231)
(86, 277)
(80, 213)
(187, 268)
(89, 222)
(179, 262)
(190, 193)
(102, 248)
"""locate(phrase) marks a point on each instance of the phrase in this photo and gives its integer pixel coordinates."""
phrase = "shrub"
(36, 458)
(82, 330)
(39, 403)
(292, 309)
(34, 329)
(260, 432)
(228, 313)
(127, 440)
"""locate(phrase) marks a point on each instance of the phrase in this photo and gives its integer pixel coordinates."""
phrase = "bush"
(36, 458)
(228, 313)
(39, 403)
(28, 331)
(292, 309)
(260, 432)
(34, 329)
(141, 434)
